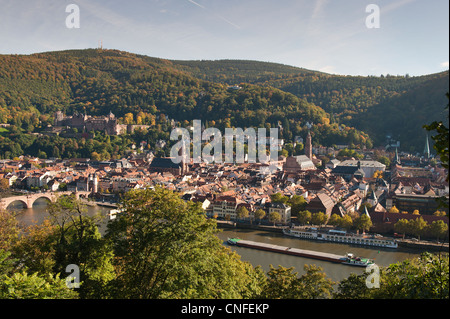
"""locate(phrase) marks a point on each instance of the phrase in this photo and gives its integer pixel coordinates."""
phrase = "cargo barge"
(301, 252)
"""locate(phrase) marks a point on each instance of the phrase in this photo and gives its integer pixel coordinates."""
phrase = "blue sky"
(325, 35)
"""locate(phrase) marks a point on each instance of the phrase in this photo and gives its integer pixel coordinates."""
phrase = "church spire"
(308, 146)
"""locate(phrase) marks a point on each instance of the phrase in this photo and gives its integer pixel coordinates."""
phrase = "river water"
(337, 272)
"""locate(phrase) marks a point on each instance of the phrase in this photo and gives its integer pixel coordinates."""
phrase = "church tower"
(308, 146)
(184, 152)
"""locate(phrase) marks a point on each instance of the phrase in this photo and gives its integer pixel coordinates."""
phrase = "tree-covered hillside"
(144, 90)
(351, 100)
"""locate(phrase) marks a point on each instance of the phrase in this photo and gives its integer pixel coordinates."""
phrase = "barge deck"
(287, 250)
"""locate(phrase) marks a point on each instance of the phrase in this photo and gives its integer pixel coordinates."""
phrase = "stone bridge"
(29, 199)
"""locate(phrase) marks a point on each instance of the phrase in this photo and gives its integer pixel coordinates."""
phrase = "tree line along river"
(382, 256)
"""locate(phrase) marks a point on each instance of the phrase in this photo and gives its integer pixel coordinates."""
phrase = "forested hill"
(141, 90)
(138, 89)
(381, 105)
(97, 82)
(243, 71)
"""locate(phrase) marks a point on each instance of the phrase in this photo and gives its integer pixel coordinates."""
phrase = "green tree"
(284, 283)
(23, 286)
(298, 150)
(9, 230)
(363, 222)
(297, 203)
(36, 248)
(394, 210)
(384, 160)
(426, 277)
(319, 218)
(441, 142)
(353, 287)
(279, 198)
(77, 240)
(167, 248)
(438, 228)
(418, 226)
(274, 217)
(7, 263)
(242, 212)
(402, 226)
(347, 222)
(304, 217)
(315, 283)
(4, 185)
(441, 139)
(259, 214)
(335, 220)
(95, 156)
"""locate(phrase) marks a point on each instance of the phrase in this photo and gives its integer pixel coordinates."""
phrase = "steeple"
(372, 199)
(184, 152)
(308, 146)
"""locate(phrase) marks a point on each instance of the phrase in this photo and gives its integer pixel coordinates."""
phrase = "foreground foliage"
(163, 247)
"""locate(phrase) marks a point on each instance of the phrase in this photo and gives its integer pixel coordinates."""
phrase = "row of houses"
(223, 188)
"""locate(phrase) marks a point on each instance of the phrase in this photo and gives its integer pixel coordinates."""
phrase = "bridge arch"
(29, 199)
(24, 203)
(47, 198)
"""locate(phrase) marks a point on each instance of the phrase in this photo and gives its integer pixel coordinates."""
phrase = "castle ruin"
(86, 123)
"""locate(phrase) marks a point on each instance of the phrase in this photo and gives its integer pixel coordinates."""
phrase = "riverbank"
(404, 243)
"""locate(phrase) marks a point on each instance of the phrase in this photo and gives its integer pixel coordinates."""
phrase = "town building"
(321, 203)
(296, 164)
(167, 164)
(282, 209)
(425, 204)
(361, 168)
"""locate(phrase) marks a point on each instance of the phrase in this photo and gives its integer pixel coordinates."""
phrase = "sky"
(332, 36)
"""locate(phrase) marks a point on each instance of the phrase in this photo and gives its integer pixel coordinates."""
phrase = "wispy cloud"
(395, 5)
(197, 4)
(318, 8)
(328, 69)
(106, 14)
(445, 64)
(216, 15)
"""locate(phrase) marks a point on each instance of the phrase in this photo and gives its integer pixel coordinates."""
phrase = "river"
(337, 272)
